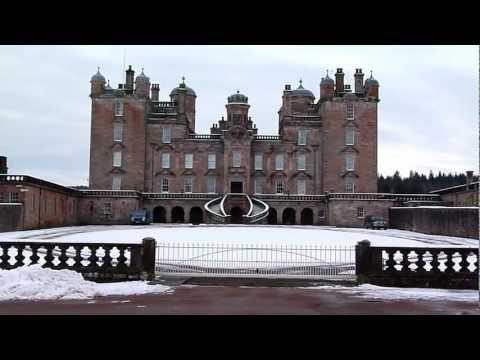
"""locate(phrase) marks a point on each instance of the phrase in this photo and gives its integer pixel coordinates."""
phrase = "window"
(118, 108)
(117, 159)
(107, 208)
(258, 186)
(279, 186)
(1, 198)
(258, 161)
(164, 188)
(212, 161)
(302, 137)
(188, 161)
(118, 132)
(301, 186)
(350, 112)
(167, 135)
(237, 158)
(188, 184)
(14, 197)
(211, 182)
(116, 183)
(349, 186)
(350, 136)
(360, 212)
(301, 162)
(350, 162)
(279, 162)
(165, 160)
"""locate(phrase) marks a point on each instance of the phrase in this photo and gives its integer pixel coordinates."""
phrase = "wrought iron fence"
(256, 261)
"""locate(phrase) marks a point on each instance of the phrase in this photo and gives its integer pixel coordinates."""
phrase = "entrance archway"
(272, 216)
(178, 215)
(288, 217)
(159, 215)
(196, 215)
(236, 215)
(306, 217)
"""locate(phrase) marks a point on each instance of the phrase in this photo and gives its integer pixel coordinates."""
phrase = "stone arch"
(196, 215)
(306, 217)
(159, 215)
(178, 215)
(272, 216)
(288, 217)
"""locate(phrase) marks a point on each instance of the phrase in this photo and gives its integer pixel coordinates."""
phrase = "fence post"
(148, 257)
(362, 260)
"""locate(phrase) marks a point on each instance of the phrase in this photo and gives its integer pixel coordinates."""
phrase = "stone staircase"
(219, 209)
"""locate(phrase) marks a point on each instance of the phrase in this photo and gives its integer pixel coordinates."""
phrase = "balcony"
(164, 107)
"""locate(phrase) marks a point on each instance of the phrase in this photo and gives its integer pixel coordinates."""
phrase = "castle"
(320, 169)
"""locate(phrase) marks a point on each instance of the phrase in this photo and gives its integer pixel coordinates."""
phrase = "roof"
(98, 76)
(301, 91)
(456, 188)
(238, 98)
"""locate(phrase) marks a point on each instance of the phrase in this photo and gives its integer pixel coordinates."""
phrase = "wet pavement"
(240, 300)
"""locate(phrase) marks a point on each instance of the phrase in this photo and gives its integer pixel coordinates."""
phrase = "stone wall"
(345, 213)
(11, 217)
(106, 210)
(450, 221)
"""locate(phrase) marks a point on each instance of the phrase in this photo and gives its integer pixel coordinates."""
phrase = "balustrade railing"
(164, 107)
(445, 267)
(204, 136)
(201, 196)
(96, 261)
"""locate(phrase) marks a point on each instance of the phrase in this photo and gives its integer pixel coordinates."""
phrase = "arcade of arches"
(196, 216)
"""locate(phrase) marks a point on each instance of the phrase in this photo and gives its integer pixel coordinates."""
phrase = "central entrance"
(236, 187)
(236, 215)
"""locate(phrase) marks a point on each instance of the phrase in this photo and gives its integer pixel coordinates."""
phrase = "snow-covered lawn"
(37, 283)
(238, 234)
(369, 291)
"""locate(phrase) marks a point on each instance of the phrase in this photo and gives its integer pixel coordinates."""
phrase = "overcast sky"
(428, 113)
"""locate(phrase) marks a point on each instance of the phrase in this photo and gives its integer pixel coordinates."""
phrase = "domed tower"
(371, 87)
(97, 84)
(327, 87)
(301, 99)
(185, 98)
(142, 85)
(237, 110)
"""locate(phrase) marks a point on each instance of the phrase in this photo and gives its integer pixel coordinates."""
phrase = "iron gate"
(256, 261)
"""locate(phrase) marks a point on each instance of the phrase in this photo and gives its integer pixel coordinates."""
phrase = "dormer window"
(119, 108)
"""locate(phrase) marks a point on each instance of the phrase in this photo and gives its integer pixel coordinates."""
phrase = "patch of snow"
(238, 234)
(37, 283)
(393, 293)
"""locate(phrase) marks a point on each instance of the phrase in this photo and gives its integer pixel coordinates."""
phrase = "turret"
(371, 87)
(359, 82)
(339, 82)
(142, 85)
(327, 88)
(185, 98)
(97, 84)
(237, 110)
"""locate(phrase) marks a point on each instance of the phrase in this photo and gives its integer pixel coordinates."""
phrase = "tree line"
(417, 183)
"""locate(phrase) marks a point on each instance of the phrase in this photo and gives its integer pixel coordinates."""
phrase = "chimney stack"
(3, 165)
(155, 92)
(129, 78)
(359, 82)
(469, 177)
(339, 84)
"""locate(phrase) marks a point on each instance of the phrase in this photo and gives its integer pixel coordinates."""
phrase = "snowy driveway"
(238, 234)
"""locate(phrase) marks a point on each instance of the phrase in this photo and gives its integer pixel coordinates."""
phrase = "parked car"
(375, 222)
(140, 217)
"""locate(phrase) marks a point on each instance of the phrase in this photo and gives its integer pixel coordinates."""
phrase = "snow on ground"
(37, 283)
(392, 293)
(238, 234)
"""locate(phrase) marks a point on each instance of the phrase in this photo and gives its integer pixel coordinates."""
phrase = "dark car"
(140, 217)
(375, 222)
